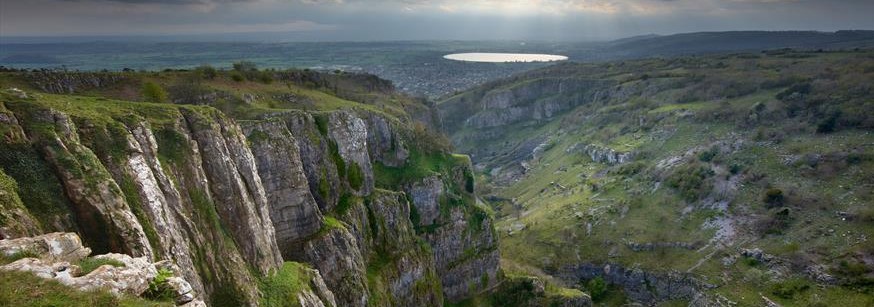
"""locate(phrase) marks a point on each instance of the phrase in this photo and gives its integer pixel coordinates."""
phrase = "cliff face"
(229, 202)
(372, 246)
(531, 100)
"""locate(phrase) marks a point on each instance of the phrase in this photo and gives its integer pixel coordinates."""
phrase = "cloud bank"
(427, 19)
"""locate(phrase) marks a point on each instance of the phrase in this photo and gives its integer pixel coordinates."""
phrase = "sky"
(362, 20)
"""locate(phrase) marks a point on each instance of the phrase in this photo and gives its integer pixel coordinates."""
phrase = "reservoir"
(504, 57)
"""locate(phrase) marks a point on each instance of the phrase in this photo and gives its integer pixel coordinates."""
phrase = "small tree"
(152, 92)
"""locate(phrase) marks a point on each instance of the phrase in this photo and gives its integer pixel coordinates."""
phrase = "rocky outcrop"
(55, 255)
(462, 237)
(335, 253)
(293, 210)
(184, 188)
(601, 154)
(639, 285)
(236, 185)
(426, 197)
(317, 294)
(100, 206)
(64, 82)
(507, 104)
(53, 247)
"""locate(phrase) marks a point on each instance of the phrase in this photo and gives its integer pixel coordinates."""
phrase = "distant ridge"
(711, 42)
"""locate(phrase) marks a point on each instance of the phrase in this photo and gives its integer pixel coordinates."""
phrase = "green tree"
(152, 92)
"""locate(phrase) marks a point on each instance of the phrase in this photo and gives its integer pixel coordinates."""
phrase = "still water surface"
(504, 57)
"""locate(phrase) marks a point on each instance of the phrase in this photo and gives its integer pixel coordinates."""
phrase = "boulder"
(58, 246)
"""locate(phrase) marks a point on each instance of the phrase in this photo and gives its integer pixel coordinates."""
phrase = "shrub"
(692, 181)
(774, 197)
(789, 288)
(775, 223)
(828, 124)
(237, 77)
(152, 92)
(708, 155)
(206, 72)
(265, 77)
(159, 288)
(597, 288)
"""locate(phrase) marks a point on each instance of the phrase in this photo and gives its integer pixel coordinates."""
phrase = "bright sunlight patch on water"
(504, 57)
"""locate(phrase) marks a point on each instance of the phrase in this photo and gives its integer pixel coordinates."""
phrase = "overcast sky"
(427, 19)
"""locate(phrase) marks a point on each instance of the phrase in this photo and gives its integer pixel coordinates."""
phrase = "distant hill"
(714, 42)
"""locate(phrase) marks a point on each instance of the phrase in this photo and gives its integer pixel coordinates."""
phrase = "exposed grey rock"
(293, 210)
(160, 200)
(56, 246)
(91, 189)
(236, 187)
(336, 256)
(601, 154)
(462, 273)
(350, 134)
(426, 198)
(56, 252)
(386, 146)
(318, 163)
(640, 286)
(320, 289)
(757, 254)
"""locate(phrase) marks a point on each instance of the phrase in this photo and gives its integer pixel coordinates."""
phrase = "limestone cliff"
(228, 201)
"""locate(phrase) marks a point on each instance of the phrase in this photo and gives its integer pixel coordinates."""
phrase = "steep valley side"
(738, 179)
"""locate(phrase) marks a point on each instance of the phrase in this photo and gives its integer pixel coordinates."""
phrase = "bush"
(775, 223)
(708, 155)
(597, 288)
(152, 92)
(828, 124)
(159, 288)
(206, 72)
(692, 181)
(789, 288)
(237, 77)
(774, 197)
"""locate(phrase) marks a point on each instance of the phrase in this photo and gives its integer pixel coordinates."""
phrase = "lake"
(504, 57)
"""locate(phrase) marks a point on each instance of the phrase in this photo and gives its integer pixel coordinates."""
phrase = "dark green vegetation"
(769, 150)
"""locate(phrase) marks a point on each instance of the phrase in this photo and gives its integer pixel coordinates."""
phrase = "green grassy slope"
(772, 151)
